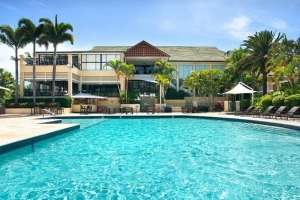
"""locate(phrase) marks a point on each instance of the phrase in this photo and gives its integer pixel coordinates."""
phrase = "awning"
(147, 79)
(241, 88)
(87, 96)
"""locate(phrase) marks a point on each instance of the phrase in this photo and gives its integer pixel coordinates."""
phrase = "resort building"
(87, 72)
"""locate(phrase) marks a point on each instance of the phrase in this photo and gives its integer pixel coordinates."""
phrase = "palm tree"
(259, 47)
(14, 39)
(55, 33)
(116, 66)
(7, 81)
(32, 34)
(128, 71)
(164, 73)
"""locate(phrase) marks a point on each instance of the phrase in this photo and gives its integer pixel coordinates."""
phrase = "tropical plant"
(127, 70)
(32, 34)
(285, 57)
(116, 66)
(55, 33)
(7, 81)
(16, 40)
(163, 73)
(259, 47)
(205, 82)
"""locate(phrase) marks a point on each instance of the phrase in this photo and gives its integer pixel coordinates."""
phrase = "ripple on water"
(157, 158)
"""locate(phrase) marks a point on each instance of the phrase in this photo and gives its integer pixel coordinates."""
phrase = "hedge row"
(40, 102)
(277, 101)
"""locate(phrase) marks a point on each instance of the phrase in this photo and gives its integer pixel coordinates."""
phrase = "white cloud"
(238, 27)
(279, 24)
(35, 2)
(7, 6)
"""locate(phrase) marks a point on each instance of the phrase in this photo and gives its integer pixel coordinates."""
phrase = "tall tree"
(116, 66)
(128, 71)
(55, 33)
(16, 40)
(164, 73)
(32, 34)
(259, 47)
(7, 81)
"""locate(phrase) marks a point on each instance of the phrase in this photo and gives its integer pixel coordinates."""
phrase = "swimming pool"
(157, 158)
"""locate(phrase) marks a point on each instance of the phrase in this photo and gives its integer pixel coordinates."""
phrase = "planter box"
(18, 111)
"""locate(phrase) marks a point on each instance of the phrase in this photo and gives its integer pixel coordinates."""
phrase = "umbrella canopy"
(3, 88)
(241, 88)
(87, 96)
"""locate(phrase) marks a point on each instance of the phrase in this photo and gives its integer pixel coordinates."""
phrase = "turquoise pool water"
(157, 158)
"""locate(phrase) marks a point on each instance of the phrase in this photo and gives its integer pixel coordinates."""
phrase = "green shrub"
(245, 103)
(266, 101)
(173, 94)
(278, 101)
(40, 102)
(293, 100)
(202, 109)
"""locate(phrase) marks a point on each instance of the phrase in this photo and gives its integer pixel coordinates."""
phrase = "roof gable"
(144, 49)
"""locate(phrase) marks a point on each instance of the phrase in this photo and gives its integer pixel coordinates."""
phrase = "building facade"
(87, 72)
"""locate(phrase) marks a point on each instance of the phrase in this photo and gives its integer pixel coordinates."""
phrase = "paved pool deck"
(19, 130)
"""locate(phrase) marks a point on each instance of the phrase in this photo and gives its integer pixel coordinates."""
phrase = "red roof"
(144, 49)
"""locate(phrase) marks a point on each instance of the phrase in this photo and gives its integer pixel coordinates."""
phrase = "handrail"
(48, 111)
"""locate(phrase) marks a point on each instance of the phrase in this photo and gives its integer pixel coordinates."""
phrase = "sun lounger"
(292, 113)
(256, 110)
(265, 112)
(278, 112)
(153, 109)
(246, 112)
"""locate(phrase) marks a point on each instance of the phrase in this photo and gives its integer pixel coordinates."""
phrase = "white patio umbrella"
(4, 88)
(87, 96)
(242, 88)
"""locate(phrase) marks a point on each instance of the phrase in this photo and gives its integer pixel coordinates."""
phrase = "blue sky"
(220, 23)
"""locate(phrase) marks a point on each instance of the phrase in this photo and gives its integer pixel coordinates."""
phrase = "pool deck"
(19, 130)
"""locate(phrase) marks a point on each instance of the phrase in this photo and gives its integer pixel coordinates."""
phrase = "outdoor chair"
(265, 112)
(255, 111)
(292, 113)
(126, 110)
(153, 109)
(246, 112)
(278, 112)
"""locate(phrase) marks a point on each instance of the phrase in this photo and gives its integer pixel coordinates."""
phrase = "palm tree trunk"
(265, 83)
(126, 89)
(53, 75)
(17, 76)
(34, 75)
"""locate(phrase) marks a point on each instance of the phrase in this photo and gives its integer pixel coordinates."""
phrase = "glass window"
(219, 67)
(201, 67)
(83, 58)
(90, 58)
(98, 58)
(90, 66)
(185, 71)
(110, 57)
(104, 58)
(97, 61)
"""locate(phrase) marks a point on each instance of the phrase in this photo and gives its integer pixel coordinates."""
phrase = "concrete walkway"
(18, 130)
